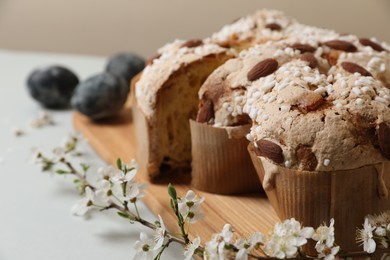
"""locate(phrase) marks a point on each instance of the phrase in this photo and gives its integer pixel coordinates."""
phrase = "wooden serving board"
(115, 138)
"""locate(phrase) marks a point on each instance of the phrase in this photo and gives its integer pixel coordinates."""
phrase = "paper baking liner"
(220, 160)
(315, 197)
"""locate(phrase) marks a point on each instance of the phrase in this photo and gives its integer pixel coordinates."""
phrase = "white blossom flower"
(36, 156)
(59, 154)
(131, 165)
(62, 152)
(159, 234)
(38, 159)
(365, 237)
(329, 253)
(216, 248)
(84, 204)
(380, 231)
(134, 191)
(325, 234)
(281, 247)
(211, 250)
(190, 249)
(106, 172)
(189, 207)
(295, 230)
(286, 238)
(35, 123)
(71, 138)
(120, 177)
(104, 193)
(382, 219)
(227, 233)
(69, 143)
(144, 247)
(44, 118)
(245, 246)
(381, 226)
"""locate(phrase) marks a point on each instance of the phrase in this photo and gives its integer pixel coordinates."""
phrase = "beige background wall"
(107, 26)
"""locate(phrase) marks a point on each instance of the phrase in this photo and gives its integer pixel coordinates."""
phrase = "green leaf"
(119, 163)
(59, 171)
(173, 205)
(126, 216)
(172, 192)
(84, 166)
(70, 146)
(46, 168)
(76, 181)
(123, 215)
(47, 165)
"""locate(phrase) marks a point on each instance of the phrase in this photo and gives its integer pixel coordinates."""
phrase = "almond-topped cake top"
(262, 26)
(169, 59)
(317, 101)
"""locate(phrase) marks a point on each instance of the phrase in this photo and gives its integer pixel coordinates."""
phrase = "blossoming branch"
(116, 189)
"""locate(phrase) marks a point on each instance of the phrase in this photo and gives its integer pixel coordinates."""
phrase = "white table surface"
(35, 218)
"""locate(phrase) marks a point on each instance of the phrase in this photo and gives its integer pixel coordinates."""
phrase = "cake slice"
(167, 97)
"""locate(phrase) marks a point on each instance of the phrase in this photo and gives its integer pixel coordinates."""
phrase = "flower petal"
(370, 246)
